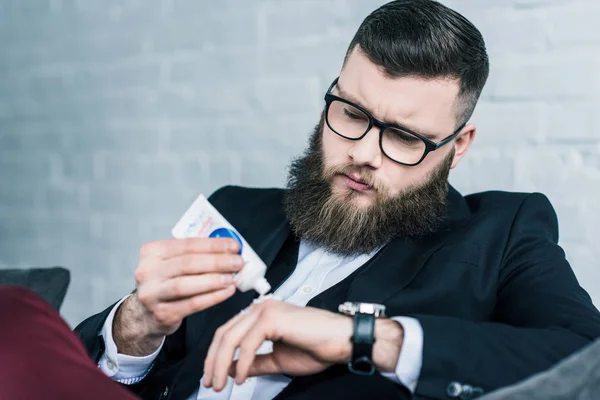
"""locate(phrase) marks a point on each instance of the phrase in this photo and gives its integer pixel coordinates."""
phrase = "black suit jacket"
(492, 290)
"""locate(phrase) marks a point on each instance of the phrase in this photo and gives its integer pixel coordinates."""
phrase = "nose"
(366, 151)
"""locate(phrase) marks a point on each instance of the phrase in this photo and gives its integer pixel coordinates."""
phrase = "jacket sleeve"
(165, 366)
(542, 315)
(89, 333)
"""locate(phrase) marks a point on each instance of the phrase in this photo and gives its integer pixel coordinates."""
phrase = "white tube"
(203, 220)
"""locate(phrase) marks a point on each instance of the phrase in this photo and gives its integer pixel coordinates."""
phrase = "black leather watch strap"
(362, 345)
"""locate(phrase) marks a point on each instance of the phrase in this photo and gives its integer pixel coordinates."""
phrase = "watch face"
(377, 310)
(350, 308)
(367, 308)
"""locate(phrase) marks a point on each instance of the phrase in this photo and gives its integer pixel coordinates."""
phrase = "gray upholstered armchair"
(50, 283)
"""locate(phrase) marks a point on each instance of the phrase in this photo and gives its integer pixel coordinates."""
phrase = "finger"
(214, 345)
(191, 285)
(250, 344)
(263, 364)
(165, 249)
(179, 309)
(230, 341)
(190, 264)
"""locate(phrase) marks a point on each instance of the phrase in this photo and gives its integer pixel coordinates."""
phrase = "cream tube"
(204, 221)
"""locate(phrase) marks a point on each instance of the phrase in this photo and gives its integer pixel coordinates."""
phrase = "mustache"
(366, 176)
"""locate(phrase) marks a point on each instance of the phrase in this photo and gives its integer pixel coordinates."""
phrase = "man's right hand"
(175, 278)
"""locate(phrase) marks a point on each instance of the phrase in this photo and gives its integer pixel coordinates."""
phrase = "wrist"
(346, 329)
(389, 337)
(131, 332)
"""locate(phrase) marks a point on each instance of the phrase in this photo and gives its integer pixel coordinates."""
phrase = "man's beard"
(332, 220)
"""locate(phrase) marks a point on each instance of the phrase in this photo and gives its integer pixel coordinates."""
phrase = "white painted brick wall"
(114, 114)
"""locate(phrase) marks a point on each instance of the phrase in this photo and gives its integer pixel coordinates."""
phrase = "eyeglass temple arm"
(451, 137)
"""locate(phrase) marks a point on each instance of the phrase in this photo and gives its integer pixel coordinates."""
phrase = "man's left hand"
(305, 340)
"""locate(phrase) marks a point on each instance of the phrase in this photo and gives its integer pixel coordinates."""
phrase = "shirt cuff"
(410, 360)
(121, 367)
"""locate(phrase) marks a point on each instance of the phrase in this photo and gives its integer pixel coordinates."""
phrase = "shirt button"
(164, 394)
(247, 380)
(111, 365)
(454, 389)
(307, 289)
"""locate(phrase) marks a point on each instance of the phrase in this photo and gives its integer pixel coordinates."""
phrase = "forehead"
(427, 105)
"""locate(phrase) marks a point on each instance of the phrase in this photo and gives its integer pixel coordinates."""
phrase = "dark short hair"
(426, 39)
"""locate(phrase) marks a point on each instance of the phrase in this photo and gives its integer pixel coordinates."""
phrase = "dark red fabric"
(41, 358)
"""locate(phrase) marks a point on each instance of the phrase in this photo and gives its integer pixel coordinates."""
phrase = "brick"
(66, 200)
(554, 76)
(19, 196)
(73, 167)
(39, 229)
(562, 33)
(110, 134)
(233, 135)
(222, 7)
(291, 132)
(207, 99)
(223, 65)
(290, 21)
(19, 167)
(196, 169)
(518, 31)
(326, 55)
(192, 136)
(558, 172)
(509, 123)
(103, 79)
(590, 157)
(273, 166)
(287, 95)
(111, 7)
(68, 52)
(157, 228)
(575, 120)
(26, 134)
(129, 167)
(132, 104)
(203, 172)
(499, 167)
(24, 9)
(543, 5)
(187, 32)
(94, 85)
(138, 199)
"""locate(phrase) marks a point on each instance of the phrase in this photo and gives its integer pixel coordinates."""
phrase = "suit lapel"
(267, 239)
(399, 262)
(392, 269)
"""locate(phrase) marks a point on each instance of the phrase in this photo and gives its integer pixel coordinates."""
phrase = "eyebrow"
(347, 96)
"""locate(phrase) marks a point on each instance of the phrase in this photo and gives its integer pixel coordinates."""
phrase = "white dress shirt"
(316, 271)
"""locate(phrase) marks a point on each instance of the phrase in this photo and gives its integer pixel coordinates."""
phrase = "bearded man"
(390, 283)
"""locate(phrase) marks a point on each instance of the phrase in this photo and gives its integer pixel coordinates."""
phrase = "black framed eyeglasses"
(397, 143)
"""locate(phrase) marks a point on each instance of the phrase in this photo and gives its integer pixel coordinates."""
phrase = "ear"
(463, 142)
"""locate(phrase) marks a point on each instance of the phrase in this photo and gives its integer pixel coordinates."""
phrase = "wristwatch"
(361, 362)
